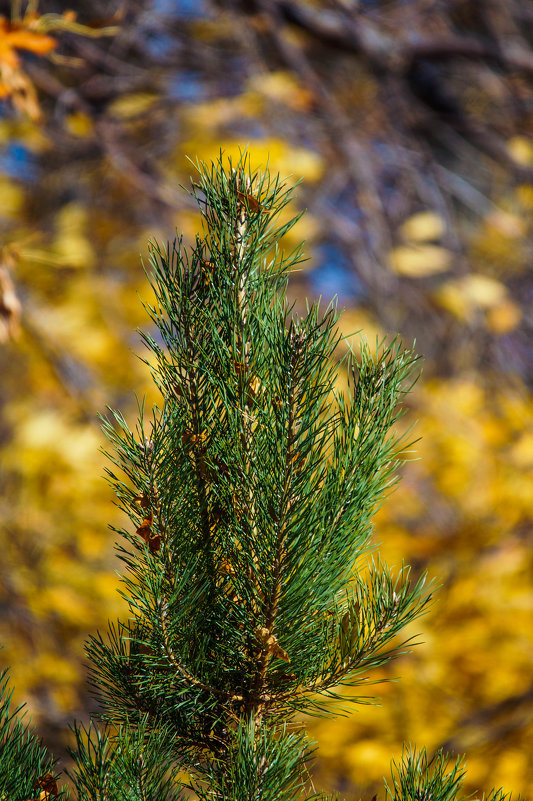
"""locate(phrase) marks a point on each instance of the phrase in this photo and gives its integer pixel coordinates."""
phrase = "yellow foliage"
(306, 230)
(504, 317)
(367, 759)
(499, 242)
(25, 130)
(188, 223)
(507, 224)
(79, 124)
(290, 162)
(105, 585)
(211, 30)
(521, 149)
(45, 432)
(132, 105)
(426, 226)
(204, 117)
(71, 243)
(511, 767)
(464, 296)
(524, 194)
(419, 261)
(283, 87)
(11, 197)
(74, 608)
(521, 452)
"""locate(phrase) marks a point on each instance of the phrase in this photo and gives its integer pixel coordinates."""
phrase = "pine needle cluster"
(249, 493)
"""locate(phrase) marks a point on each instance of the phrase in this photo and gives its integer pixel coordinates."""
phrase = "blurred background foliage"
(410, 123)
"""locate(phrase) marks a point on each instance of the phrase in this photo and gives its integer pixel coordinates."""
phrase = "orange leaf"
(20, 38)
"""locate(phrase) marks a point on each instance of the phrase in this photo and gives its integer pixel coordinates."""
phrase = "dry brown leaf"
(154, 543)
(251, 202)
(48, 786)
(143, 500)
(145, 529)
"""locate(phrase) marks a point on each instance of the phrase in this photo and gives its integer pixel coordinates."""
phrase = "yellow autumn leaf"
(419, 261)
(484, 291)
(426, 226)
(367, 759)
(71, 243)
(45, 435)
(522, 451)
(512, 766)
(521, 149)
(282, 87)
(507, 224)
(358, 323)
(132, 105)
(11, 198)
(212, 30)
(105, 586)
(52, 667)
(462, 296)
(504, 317)
(214, 113)
(79, 124)
(289, 161)
(524, 194)
(72, 605)
(187, 221)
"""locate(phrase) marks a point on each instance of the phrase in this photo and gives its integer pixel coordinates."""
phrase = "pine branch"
(26, 769)
(256, 481)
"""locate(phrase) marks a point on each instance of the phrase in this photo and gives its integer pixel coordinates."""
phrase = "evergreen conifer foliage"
(25, 767)
(249, 493)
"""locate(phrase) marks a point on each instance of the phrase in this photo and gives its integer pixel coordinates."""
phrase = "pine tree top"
(250, 490)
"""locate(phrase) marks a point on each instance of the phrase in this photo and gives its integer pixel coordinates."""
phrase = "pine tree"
(253, 594)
